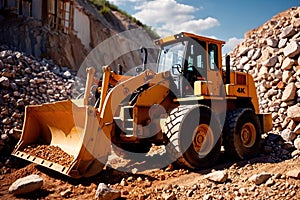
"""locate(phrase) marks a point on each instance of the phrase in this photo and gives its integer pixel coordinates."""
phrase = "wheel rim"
(203, 140)
(248, 135)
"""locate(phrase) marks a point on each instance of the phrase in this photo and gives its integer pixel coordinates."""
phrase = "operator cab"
(189, 58)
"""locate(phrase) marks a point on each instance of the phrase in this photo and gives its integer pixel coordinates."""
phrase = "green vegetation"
(106, 7)
(103, 6)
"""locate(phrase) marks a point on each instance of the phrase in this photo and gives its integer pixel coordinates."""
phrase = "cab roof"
(182, 35)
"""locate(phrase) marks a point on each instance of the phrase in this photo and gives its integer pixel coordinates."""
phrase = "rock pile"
(271, 53)
(27, 81)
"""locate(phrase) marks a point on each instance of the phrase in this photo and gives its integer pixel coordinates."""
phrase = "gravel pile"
(27, 81)
(51, 153)
(271, 54)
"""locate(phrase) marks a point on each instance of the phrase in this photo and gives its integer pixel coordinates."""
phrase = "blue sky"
(227, 20)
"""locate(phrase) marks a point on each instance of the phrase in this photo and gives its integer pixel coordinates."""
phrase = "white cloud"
(163, 11)
(231, 44)
(169, 17)
(194, 26)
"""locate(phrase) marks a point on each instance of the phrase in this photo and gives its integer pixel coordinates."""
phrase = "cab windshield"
(172, 56)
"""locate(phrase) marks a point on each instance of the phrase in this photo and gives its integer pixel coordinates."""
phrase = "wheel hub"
(203, 140)
(248, 135)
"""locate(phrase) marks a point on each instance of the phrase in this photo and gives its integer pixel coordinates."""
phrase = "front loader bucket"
(64, 137)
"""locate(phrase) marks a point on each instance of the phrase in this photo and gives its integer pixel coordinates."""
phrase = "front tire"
(196, 136)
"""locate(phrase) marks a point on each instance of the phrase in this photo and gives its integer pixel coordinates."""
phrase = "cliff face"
(68, 41)
(271, 53)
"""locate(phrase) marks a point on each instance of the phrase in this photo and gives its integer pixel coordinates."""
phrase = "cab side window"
(197, 58)
(213, 56)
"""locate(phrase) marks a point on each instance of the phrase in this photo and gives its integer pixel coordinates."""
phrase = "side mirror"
(138, 69)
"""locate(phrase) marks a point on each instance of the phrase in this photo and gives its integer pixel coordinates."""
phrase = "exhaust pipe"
(227, 64)
(120, 69)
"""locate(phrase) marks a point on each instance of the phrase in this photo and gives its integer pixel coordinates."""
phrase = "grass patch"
(105, 7)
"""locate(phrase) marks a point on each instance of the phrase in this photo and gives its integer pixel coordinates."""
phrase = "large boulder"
(26, 185)
(4, 82)
(271, 61)
(104, 192)
(287, 64)
(288, 135)
(292, 49)
(289, 92)
(293, 112)
(260, 178)
(294, 173)
(297, 143)
(272, 42)
(217, 176)
(287, 32)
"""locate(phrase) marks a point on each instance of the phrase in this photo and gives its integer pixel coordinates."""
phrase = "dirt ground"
(167, 183)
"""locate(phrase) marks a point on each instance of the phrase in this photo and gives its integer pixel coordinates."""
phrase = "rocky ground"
(259, 178)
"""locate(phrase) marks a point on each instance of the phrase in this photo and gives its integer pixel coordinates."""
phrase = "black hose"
(144, 50)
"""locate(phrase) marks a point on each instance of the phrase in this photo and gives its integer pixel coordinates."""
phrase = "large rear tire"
(242, 133)
(194, 134)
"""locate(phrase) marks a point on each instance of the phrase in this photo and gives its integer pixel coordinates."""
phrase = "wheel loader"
(191, 104)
